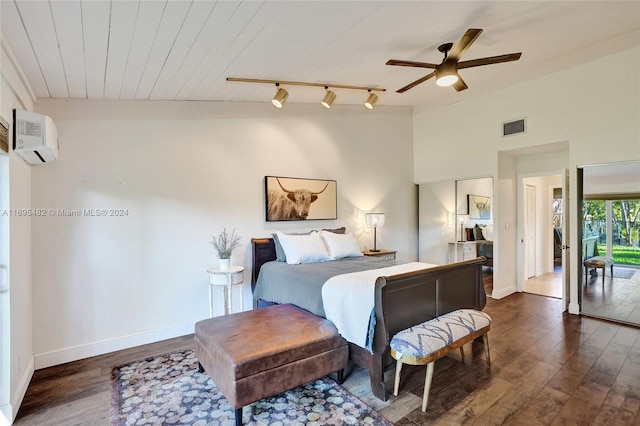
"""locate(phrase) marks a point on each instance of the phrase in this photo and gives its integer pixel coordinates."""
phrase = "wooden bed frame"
(402, 301)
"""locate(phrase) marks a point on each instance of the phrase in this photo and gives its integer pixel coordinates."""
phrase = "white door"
(566, 267)
(529, 231)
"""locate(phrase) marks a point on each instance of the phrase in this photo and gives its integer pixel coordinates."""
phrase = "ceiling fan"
(446, 72)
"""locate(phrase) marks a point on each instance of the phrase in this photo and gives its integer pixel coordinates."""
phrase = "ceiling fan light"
(280, 98)
(446, 79)
(446, 74)
(371, 101)
(328, 99)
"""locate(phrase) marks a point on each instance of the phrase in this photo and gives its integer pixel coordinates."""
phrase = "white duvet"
(349, 299)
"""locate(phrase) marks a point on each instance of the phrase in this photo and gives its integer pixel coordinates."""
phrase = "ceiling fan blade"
(467, 39)
(490, 60)
(460, 84)
(410, 63)
(415, 83)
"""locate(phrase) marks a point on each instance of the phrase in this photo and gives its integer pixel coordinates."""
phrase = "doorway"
(542, 224)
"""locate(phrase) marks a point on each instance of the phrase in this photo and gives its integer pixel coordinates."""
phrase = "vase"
(224, 264)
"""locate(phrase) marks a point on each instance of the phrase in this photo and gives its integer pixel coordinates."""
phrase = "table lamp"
(375, 221)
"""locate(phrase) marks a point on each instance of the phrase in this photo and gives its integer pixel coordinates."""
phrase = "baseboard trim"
(574, 308)
(503, 292)
(48, 359)
(9, 411)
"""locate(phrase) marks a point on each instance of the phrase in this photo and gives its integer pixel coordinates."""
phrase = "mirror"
(610, 224)
(456, 222)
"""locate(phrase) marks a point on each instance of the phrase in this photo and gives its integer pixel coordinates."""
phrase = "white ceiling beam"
(123, 22)
(67, 17)
(170, 27)
(14, 33)
(95, 27)
(147, 25)
(42, 35)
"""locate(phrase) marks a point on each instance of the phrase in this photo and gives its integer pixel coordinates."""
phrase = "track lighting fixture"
(371, 100)
(281, 97)
(328, 98)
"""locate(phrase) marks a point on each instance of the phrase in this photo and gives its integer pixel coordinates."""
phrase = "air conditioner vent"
(514, 127)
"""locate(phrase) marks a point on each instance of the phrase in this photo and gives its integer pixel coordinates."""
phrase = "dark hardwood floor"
(548, 368)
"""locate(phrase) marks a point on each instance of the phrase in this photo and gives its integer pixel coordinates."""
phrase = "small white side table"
(227, 278)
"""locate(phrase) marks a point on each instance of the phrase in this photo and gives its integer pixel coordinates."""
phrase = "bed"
(483, 236)
(401, 300)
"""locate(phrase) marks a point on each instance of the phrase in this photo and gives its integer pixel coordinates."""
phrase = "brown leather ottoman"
(260, 353)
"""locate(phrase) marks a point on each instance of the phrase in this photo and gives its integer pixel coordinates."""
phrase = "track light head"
(328, 99)
(371, 100)
(281, 97)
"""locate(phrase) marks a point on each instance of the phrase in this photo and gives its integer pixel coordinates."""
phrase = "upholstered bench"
(263, 352)
(425, 343)
(597, 262)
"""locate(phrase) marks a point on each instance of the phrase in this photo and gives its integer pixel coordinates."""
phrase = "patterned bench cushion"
(426, 338)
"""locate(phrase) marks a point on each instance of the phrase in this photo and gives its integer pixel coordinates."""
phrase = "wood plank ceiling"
(184, 50)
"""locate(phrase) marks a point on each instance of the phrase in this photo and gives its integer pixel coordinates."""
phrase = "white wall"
(595, 107)
(436, 227)
(16, 350)
(184, 171)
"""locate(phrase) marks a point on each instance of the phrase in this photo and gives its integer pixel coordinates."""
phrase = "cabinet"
(466, 250)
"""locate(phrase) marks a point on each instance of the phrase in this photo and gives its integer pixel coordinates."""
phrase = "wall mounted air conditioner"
(35, 137)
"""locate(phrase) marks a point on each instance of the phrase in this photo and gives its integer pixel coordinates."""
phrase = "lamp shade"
(374, 220)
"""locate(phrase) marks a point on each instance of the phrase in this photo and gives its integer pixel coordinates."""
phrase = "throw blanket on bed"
(349, 300)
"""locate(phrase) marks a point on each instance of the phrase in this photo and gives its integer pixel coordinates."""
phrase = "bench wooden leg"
(396, 384)
(427, 385)
(462, 353)
(239, 416)
(485, 339)
(200, 368)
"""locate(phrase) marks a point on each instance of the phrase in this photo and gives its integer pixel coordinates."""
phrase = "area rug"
(618, 272)
(168, 390)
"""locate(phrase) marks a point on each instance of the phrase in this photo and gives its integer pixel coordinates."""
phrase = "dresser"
(466, 250)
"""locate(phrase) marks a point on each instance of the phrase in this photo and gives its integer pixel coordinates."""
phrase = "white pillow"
(303, 248)
(340, 245)
(487, 232)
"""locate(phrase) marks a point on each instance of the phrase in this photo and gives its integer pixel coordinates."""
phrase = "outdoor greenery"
(625, 224)
(622, 255)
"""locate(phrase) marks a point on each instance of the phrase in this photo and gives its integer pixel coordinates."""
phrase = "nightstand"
(383, 254)
(466, 250)
(227, 278)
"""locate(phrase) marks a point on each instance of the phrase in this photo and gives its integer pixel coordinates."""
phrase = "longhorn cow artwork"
(300, 199)
(479, 207)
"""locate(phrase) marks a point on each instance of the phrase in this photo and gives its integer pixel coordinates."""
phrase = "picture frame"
(479, 207)
(291, 198)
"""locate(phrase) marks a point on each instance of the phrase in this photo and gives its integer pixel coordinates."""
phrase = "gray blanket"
(485, 248)
(301, 285)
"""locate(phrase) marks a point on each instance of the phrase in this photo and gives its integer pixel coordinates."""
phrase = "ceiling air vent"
(514, 127)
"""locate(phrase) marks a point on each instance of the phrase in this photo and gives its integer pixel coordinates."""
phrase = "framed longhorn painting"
(289, 198)
(479, 207)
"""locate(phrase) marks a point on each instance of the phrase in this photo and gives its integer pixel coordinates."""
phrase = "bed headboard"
(264, 250)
